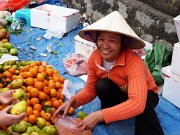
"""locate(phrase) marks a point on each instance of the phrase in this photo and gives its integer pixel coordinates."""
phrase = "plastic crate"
(54, 17)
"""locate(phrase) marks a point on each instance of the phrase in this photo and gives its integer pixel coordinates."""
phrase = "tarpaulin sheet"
(168, 114)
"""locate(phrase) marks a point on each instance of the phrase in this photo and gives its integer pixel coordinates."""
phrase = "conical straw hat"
(113, 22)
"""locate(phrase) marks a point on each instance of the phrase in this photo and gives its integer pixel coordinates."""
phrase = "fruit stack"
(5, 45)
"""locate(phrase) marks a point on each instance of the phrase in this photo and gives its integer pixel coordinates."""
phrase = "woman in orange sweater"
(118, 77)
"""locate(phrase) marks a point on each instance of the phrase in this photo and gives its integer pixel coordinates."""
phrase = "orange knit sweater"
(129, 69)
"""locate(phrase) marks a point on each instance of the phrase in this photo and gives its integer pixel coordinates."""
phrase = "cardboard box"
(54, 17)
(177, 24)
(175, 63)
(171, 88)
(83, 46)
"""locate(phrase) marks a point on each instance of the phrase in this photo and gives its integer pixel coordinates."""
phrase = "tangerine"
(29, 110)
(37, 107)
(56, 103)
(29, 81)
(40, 77)
(71, 111)
(34, 92)
(32, 119)
(36, 113)
(42, 96)
(49, 71)
(34, 101)
(39, 85)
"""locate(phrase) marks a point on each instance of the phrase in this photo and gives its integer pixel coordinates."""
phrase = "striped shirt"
(129, 72)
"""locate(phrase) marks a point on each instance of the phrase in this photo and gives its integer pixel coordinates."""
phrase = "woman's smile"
(109, 45)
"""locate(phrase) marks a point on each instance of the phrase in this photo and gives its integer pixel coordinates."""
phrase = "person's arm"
(88, 93)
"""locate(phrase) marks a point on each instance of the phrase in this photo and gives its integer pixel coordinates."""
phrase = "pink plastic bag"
(65, 126)
(75, 64)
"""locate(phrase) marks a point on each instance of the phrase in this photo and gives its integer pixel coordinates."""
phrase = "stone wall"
(152, 20)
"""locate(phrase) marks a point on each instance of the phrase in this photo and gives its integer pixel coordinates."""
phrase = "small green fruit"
(13, 51)
(82, 114)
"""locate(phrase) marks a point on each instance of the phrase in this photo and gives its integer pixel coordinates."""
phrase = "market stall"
(32, 45)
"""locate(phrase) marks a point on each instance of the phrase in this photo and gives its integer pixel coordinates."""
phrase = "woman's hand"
(9, 119)
(6, 97)
(90, 121)
(64, 108)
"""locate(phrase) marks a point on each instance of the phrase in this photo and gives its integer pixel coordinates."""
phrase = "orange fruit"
(7, 74)
(46, 90)
(29, 88)
(36, 113)
(47, 116)
(26, 75)
(42, 96)
(53, 98)
(60, 90)
(12, 71)
(19, 76)
(25, 68)
(58, 85)
(34, 92)
(49, 71)
(34, 71)
(48, 103)
(38, 63)
(51, 84)
(56, 72)
(14, 77)
(32, 119)
(56, 103)
(62, 96)
(39, 85)
(28, 102)
(40, 77)
(29, 81)
(53, 93)
(62, 80)
(71, 111)
(41, 69)
(37, 107)
(34, 101)
(56, 79)
(33, 64)
(29, 110)
(53, 110)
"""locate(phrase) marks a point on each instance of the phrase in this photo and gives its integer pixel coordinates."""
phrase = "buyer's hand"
(90, 121)
(9, 119)
(64, 108)
(6, 97)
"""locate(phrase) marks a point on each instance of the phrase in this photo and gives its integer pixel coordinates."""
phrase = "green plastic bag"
(156, 59)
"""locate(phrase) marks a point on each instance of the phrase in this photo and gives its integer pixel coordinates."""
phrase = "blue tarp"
(168, 114)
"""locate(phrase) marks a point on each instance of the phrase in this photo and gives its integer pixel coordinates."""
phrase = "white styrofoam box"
(177, 24)
(54, 17)
(175, 63)
(171, 88)
(83, 46)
